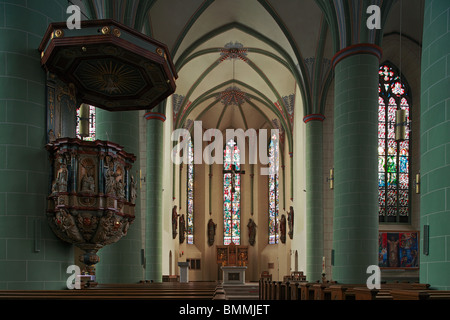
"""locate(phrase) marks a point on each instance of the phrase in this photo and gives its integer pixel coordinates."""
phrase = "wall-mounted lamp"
(330, 179)
(400, 125)
(418, 183)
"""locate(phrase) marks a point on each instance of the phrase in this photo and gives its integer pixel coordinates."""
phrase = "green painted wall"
(355, 224)
(154, 179)
(121, 261)
(314, 200)
(31, 257)
(435, 143)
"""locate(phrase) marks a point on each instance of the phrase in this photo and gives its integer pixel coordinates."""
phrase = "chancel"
(349, 102)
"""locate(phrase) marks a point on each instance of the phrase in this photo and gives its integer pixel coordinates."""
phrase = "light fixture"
(400, 125)
(418, 183)
(330, 179)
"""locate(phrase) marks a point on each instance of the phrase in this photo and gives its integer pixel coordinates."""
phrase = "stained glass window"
(273, 190)
(91, 136)
(190, 193)
(231, 194)
(393, 153)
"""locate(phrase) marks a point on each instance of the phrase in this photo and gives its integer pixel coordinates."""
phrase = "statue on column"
(291, 222)
(283, 229)
(251, 231)
(182, 228)
(174, 222)
(211, 232)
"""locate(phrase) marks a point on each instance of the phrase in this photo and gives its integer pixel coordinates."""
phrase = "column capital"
(360, 48)
(313, 117)
(155, 115)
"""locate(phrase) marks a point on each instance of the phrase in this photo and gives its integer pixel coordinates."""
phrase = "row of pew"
(138, 291)
(329, 290)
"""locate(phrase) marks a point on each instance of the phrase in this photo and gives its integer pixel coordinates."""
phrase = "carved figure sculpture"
(174, 222)
(211, 232)
(133, 191)
(291, 222)
(88, 182)
(110, 177)
(60, 183)
(283, 229)
(182, 228)
(251, 231)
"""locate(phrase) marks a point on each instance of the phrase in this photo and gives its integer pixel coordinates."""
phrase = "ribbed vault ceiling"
(245, 63)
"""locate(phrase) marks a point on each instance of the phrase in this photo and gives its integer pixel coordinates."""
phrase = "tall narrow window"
(393, 152)
(190, 193)
(91, 136)
(273, 190)
(231, 194)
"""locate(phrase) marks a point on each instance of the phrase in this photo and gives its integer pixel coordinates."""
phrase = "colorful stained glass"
(231, 194)
(190, 193)
(91, 136)
(393, 155)
(273, 189)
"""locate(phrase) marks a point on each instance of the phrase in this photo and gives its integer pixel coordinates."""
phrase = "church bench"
(295, 294)
(305, 292)
(102, 295)
(343, 292)
(385, 292)
(420, 294)
(286, 290)
(151, 291)
(348, 291)
(318, 291)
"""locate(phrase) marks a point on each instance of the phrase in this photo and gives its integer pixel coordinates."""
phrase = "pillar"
(355, 221)
(121, 262)
(435, 146)
(314, 196)
(154, 201)
(31, 256)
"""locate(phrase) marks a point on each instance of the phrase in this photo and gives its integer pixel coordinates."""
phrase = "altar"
(233, 260)
(233, 274)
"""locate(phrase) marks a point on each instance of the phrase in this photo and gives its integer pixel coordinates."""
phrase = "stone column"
(154, 178)
(121, 261)
(31, 256)
(314, 196)
(435, 145)
(355, 222)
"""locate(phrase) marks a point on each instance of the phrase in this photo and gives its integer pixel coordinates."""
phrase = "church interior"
(164, 141)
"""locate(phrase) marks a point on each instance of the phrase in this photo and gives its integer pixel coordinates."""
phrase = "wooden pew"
(305, 292)
(295, 290)
(349, 291)
(118, 292)
(385, 291)
(420, 294)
